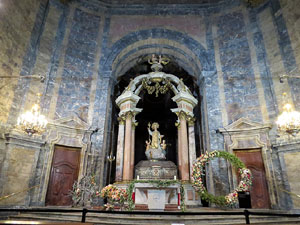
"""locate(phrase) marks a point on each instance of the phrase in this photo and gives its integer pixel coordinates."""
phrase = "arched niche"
(128, 103)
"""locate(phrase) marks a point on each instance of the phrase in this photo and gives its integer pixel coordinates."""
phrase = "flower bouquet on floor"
(116, 197)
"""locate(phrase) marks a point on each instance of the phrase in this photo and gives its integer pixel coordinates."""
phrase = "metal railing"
(246, 213)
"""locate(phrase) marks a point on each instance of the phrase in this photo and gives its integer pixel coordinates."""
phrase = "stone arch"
(186, 44)
(184, 60)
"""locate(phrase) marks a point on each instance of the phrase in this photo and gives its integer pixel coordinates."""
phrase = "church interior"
(132, 92)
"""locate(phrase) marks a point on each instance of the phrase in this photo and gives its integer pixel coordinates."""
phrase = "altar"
(168, 148)
(149, 197)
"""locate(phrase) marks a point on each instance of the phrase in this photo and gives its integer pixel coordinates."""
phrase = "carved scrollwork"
(122, 119)
(191, 120)
(161, 85)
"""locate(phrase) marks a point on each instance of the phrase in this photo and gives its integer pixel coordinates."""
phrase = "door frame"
(69, 132)
(244, 134)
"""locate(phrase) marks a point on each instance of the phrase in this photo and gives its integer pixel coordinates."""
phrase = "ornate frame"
(71, 132)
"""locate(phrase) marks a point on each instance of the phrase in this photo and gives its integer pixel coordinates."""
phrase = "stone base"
(149, 169)
(149, 197)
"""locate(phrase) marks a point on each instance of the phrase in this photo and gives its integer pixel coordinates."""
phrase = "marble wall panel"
(238, 77)
(17, 175)
(292, 171)
(79, 60)
(16, 23)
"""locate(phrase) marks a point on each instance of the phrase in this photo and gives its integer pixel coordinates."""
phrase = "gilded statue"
(156, 137)
(156, 147)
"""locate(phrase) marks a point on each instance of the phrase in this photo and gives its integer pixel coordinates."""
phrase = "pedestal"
(148, 169)
(149, 197)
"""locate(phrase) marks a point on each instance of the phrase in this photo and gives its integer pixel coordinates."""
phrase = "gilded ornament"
(191, 120)
(129, 115)
(122, 119)
(135, 124)
(157, 87)
(182, 115)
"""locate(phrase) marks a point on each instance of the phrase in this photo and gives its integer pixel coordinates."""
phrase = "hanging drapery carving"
(157, 87)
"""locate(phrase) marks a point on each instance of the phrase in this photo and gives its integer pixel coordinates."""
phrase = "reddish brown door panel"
(259, 191)
(64, 172)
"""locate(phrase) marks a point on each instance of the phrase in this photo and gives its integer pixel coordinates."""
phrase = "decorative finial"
(157, 62)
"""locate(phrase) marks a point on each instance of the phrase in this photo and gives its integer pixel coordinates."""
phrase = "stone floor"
(159, 218)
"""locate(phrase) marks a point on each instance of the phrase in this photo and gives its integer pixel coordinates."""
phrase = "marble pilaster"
(184, 147)
(132, 150)
(127, 148)
(192, 144)
(179, 150)
(120, 150)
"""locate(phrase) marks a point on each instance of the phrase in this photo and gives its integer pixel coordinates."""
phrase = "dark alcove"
(156, 109)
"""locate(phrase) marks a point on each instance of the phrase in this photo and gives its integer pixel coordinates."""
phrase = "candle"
(138, 177)
(174, 177)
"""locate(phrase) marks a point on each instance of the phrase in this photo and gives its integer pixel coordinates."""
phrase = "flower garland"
(199, 171)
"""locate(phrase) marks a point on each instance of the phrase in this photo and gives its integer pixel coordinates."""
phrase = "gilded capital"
(121, 120)
(129, 115)
(191, 120)
(182, 115)
(134, 124)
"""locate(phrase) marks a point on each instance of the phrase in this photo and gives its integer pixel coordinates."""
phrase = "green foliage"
(182, 196)
(198, 171)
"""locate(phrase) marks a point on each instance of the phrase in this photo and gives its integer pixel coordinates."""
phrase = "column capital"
(122, 119)
(129, 115)
(191, 120)
(182, 115)
(134, 124)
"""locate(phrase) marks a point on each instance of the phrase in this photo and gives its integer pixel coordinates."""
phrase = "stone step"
(106, 218)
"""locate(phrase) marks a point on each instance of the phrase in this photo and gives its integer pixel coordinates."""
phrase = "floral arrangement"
(199, 171)
(114, 196)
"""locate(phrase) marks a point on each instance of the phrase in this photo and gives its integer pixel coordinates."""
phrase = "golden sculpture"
(156, 147)
(156, 137)
(158, 60)
(157, 87)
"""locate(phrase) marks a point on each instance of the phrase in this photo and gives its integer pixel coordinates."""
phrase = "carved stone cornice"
(244, 126)
(130, 112)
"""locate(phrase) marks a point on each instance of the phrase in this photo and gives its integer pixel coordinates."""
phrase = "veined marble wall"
(235, 53)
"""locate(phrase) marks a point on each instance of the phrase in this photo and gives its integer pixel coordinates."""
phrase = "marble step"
(97, 218)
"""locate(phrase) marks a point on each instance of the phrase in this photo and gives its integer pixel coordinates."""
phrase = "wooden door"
(259, 192)
(64, 172)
